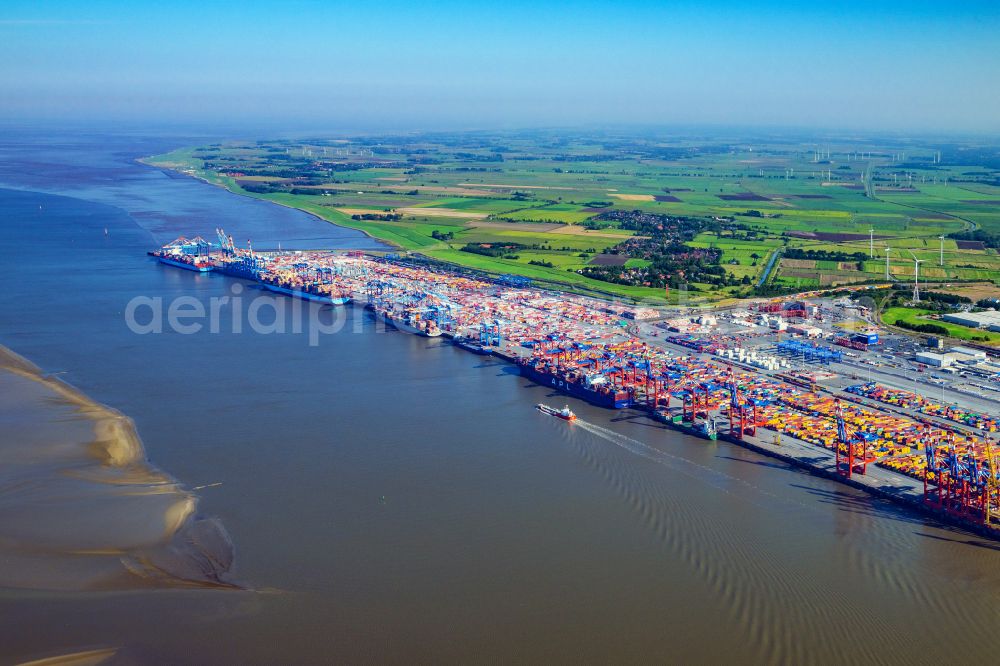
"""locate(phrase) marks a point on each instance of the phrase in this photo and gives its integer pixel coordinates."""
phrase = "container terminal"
(789, 378)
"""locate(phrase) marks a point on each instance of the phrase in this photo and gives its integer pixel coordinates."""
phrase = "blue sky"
(867, 65)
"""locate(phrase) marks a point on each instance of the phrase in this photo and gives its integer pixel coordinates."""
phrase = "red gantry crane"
(853, 447)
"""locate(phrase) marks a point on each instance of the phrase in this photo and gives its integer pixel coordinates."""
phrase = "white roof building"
(973, 319)
(936, 360)
(968, 351)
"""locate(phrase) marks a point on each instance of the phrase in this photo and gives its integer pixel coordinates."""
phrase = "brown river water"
(390, 498)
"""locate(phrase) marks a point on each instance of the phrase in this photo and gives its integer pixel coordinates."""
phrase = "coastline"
(390, 245)
(389, 486)
(118, 442)
(83, 507)
(819, 462)
(901, 491)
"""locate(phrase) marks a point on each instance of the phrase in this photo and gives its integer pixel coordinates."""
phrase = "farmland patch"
(439, 212)
(835, 237)
(633, 197)
(799, 263)
(743, 196)
(609, 260)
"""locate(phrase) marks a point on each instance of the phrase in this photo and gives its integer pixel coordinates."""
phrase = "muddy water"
(81, 508)
(391, 498)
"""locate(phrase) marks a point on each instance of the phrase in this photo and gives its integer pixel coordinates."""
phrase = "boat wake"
(755, 596)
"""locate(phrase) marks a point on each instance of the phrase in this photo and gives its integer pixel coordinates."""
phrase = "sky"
(904, 66)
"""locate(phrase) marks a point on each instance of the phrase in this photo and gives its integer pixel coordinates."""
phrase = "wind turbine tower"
(871, 242)
(916, 276)
(887, 277)
(941, 238)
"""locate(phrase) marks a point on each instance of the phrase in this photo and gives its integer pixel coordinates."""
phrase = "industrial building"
(952, 356)
(806, 331)
(988, 319)
(976, 354)
(935, 360)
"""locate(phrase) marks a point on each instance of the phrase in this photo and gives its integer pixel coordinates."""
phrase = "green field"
(539, 189)
(922, 316)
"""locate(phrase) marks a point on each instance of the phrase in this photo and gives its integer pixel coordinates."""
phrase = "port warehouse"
(990, 320)
(958, 355)
(583, 347)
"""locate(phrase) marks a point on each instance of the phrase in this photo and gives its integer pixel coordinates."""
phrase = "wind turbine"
(916, 276)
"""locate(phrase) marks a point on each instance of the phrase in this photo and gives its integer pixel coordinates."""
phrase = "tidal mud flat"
(409, 502)
(80, 506)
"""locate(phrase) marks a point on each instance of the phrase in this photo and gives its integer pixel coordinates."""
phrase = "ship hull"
(676, 421)
(545, 409)
(408, 328)
(474, 347)
(187, 267)
(305, 295)
(403, 326)
(238, 272)
(606, 400)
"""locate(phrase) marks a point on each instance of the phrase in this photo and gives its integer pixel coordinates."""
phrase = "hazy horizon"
(874, 66)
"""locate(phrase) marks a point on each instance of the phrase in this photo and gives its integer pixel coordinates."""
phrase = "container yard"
(776, 378)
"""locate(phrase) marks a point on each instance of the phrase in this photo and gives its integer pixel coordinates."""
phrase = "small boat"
(565, 414)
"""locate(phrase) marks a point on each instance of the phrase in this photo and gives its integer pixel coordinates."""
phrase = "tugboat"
(565, 414)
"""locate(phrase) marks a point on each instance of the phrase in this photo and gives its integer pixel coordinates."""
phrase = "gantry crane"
(742, 411)
(853, 447)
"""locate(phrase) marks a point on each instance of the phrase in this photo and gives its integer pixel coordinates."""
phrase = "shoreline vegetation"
(83, 508)
(653, 218)
(456, 261)
(250, 195)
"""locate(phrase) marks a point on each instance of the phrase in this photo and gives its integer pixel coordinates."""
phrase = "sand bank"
(81, 507)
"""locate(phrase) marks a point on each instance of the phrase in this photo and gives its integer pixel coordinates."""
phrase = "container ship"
(308, 293)
(577, 346)
(191, 263)
(592, 387)
(409, 322)
(474, 346)
(191, 254)
(706, 429)
(245, 267)
(274, 272)
(412, 324)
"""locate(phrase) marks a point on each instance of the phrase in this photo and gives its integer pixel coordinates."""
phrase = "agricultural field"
(761, 204)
